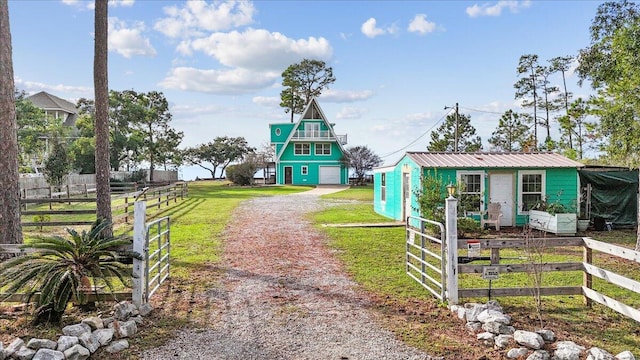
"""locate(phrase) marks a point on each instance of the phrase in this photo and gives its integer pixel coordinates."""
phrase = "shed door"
(501, 191)
(329, 174)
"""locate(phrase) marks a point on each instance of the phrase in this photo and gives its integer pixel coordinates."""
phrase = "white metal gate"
(157, 249)
(425, 255)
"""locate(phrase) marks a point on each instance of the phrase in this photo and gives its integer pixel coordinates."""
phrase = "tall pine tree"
(443, 139)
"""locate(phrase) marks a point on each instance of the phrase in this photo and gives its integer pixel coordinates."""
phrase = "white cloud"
(124, 3)
(33, 87)
(341, 96)
(129, 41)
(420, 25)
(496, 9)
(197, 16)
(268, 101)
(370, 30)
(235, 81)
(259, 49)
(348, 112)
(187, 111)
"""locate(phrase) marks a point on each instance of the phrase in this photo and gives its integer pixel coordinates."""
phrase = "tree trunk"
(101, 85)
(638, 217)
(10, 228)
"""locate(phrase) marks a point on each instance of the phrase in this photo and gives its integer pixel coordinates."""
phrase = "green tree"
(10, 228)
(221, 152)
(443, 138)
(83, 154)
(362, 159)
(63, 268)
(302, 82)
(32, 128)
(512, 133)
(562, 64)
(611, 63)
(58, 164)
(528, 87)
(575, 128)
(546, 102)
(242, 174)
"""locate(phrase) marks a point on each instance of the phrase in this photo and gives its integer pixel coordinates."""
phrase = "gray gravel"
(285, 295)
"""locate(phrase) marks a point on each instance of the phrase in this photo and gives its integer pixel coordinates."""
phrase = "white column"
(451, 224)
(139, 240)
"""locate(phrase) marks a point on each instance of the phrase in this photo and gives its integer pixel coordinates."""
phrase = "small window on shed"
(383, 187)
(278, 132)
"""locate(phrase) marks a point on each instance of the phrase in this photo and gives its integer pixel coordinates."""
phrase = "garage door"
(330, 175)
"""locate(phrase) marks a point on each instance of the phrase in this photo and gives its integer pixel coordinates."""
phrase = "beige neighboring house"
(55, 107)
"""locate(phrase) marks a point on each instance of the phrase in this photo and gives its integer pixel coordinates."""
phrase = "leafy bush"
(468, 227)
(241, 174)
(61, 268)
(41, 218)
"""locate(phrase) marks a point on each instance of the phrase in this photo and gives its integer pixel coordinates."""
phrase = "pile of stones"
(492, 327)
(79, 341)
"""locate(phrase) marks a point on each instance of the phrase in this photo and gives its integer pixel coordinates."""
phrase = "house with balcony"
(309, 152)
(55, 108)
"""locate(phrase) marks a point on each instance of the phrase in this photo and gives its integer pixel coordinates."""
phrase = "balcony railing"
(318, 135)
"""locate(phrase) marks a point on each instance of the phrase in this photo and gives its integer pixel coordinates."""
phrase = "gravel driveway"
(285, 295)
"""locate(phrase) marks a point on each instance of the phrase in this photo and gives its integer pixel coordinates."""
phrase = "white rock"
(539, 355)
(125, 329)
(473, 327)
(89, 341)
(94, 322)
(461, 312)
(568, 350)
(473, 310)
(13, 347)
(528, 339)
(117, 346)
(77, 352)
(145, 309)
(454, 308)
(494, 305)
(1, 351)
(625, 355)
(123, 310)
(76, 329)
(104, 336)
(517, 352)
(48, 354)
(493, 315)
(37, 344)
(24, 353)
(487, 338)
(547, 335)
(492, 327)
(65, 342)
(599, 354)
(502, 341)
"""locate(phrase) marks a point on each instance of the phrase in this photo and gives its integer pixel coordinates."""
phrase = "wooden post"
(495, 256)
(50, 196)
(451, 223)
(69, 194)
(587, 279)
(126, 209)
(139, 246)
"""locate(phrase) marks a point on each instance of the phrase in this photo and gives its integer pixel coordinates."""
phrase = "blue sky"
(397, 63)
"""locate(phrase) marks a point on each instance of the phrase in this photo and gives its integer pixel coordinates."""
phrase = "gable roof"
(310, 112)
(47, 101)
(492, 160)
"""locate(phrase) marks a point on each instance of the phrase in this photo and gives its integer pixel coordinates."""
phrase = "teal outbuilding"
(514, 180)
(309, 152)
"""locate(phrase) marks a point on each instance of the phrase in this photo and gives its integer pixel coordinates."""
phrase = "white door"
(329, 174)
(501, 191)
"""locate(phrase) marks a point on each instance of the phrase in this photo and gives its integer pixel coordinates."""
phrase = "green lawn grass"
(376, 259)
(361, 193)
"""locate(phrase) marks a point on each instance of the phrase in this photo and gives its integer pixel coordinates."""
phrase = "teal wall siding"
(289, 152)
(313, 172)
(283, 129)
(561, 184)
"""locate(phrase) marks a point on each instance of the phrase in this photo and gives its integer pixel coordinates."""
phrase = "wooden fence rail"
(586, 266)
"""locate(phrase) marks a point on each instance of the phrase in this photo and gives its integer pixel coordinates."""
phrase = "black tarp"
(613, 195)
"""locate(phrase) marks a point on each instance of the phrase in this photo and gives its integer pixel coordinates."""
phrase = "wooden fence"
(586, 266)
(158, 199)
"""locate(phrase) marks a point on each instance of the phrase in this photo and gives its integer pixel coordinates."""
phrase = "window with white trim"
(304, 170)
(531, 189)
(383, 187)
(323, 149)
(302, 149)
(470, 186)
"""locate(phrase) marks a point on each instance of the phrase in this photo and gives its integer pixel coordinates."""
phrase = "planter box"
(559, 224)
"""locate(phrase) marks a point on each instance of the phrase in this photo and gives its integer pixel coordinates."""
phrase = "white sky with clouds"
(397, 63)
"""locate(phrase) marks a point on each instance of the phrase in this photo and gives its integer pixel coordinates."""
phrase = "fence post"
(451, 223)
(139, 239)
(587, 279)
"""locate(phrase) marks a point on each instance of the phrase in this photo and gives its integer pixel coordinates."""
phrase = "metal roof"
(492, 160)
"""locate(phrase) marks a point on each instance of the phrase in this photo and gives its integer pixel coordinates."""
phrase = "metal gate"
(157, 249)
(425, 260)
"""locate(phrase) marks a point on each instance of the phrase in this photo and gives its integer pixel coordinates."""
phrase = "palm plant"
(60, 269)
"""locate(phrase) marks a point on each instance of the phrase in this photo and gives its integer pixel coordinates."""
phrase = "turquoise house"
(515, 180)
(309, 152)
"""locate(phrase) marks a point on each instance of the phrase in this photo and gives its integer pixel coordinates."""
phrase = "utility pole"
(455, 143)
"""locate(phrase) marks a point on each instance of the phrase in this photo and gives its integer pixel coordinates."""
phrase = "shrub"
(241, 174)
(61, 268)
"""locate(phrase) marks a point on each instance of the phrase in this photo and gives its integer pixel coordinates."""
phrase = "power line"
(482, 111)
(418, 138)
